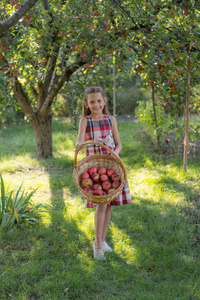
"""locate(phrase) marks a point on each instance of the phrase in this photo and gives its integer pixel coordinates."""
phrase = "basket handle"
(103, 146)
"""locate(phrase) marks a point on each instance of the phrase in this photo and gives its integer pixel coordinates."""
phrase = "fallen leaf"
(4, 247)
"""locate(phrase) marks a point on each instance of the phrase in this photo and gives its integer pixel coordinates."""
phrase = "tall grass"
(155, 239)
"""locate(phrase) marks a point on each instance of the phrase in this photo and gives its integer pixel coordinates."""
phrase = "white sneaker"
(98, 253)
(106, 248)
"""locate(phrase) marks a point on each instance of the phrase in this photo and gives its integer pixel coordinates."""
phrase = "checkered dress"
(101, 129)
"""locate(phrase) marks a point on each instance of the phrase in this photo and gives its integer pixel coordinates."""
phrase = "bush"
(18, 208)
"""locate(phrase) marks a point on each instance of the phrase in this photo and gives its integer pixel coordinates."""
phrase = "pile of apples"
(100, 181)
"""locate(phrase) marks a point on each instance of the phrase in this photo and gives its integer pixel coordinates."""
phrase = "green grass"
(156, 239)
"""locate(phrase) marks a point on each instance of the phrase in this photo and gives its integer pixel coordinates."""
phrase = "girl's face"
(95, 102)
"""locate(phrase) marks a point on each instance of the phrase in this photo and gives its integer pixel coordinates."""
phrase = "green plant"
(17, 208)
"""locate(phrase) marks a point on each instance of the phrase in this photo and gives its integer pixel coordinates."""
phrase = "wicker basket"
(99, 160)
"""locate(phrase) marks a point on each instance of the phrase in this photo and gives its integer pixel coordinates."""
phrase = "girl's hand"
(112, 156)
(79, 146)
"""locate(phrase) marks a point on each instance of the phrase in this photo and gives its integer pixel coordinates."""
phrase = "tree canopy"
(51, 41)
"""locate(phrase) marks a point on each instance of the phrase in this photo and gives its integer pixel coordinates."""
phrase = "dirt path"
(126, 118)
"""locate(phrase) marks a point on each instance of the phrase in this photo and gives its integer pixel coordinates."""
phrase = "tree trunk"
(42, 127)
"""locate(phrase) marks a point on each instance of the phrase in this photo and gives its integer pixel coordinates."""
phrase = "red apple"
(95, 177)
(88, 66)
(106, 185)
(97, 187)
(98, 192)
(102, 58)
(116, 184)
(101, 171)
(95, 62)
(75, 47)
(83, 54)
(110, 191)
(16, 73)
(170, 82)
(180, 72)
(103, 178)
(115, 177)
(186, 12)
(138, 69)
(88, 190)
(84, 175)
(92, 170)
(174, 75)
(167, 141)
(1, 55)
(109, 172)
(87, 182)
(12, 3)
(28, 17)
(166, 104)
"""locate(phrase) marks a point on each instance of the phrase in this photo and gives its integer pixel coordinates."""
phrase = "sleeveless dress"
(95, 131)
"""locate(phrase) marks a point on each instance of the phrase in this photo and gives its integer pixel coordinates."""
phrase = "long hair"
(93, 90)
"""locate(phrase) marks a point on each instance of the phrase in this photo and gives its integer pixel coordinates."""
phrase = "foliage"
(166, 124)
(18, 208)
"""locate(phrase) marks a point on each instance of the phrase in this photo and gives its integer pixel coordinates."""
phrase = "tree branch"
(46, 4)
(4, 26)
(41, 95)
(58, 83)
(52, 63)
(34, 91)
(22, 98)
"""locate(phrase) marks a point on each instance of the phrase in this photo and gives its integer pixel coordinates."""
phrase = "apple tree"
(44, 49)
(167, 45)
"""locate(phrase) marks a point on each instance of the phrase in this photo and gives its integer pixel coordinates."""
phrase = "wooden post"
(187, 112)
(155, 116)
(114, 92)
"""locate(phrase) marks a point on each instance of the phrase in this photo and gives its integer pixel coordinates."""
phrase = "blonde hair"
(93, 90)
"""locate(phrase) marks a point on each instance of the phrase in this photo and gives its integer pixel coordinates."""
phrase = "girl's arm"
(81, 134)
(118, 145)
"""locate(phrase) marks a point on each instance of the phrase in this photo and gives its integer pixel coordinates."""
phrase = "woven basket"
(99, 160)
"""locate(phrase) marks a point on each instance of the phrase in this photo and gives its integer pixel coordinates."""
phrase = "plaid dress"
(102, 129)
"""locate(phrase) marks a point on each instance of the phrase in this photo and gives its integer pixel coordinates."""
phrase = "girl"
(97, 125)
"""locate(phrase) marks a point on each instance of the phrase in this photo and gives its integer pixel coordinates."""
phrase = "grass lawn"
(156, 239)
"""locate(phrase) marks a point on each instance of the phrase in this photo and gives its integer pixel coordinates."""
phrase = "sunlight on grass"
(76, 210)
(19, 162)
(123, 245)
